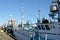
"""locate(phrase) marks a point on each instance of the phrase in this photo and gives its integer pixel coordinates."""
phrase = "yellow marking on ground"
(1, 30)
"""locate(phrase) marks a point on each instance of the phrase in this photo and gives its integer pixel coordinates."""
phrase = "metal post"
(33, 36)
(39, 37)
(58, 12)
(56, 37)
(46, 37)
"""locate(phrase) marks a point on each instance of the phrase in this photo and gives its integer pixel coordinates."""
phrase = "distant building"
(4, 25)
(11, 21)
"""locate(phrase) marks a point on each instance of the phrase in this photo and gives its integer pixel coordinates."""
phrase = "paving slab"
(4, 36)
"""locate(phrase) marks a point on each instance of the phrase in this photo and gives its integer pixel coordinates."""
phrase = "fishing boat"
(47, 30)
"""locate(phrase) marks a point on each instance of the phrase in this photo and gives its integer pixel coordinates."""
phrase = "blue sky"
(13, 7)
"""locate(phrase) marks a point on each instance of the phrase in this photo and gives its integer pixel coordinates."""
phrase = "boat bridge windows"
(45, 26)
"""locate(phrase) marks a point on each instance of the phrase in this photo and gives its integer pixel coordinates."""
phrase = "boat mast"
(37, 12)
(38, 19)
(55, 9)
(58, 10)
(22, 15)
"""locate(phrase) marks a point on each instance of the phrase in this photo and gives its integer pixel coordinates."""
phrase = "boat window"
(39, 27)
(51, 27)
(59, 25)
(43, 27)
(47, 27)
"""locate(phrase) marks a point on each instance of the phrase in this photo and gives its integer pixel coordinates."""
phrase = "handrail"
(45, 32)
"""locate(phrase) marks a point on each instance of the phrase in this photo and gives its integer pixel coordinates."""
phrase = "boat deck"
(4, 36)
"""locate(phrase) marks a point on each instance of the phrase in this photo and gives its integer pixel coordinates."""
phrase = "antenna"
(38, 19)
(22, 15)
(36, 8)
(37, 12)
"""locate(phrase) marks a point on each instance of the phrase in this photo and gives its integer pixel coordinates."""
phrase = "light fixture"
(59, 1)
(53, 8)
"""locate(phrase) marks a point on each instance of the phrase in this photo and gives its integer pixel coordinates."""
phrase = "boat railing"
(46, 34)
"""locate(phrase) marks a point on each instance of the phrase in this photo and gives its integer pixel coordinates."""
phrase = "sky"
(14, 7)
